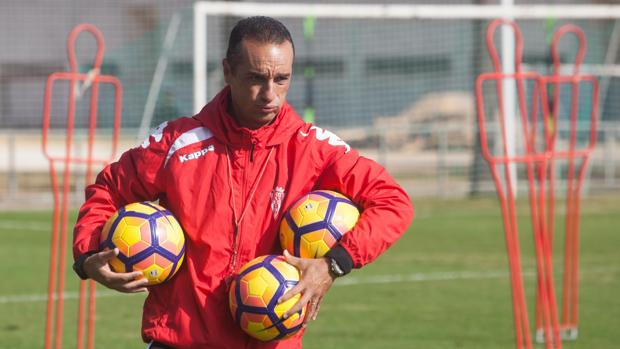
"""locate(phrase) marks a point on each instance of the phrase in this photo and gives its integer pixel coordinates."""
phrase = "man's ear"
(227, 70)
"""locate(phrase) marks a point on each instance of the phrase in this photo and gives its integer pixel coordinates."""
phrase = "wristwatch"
(339, 260)
(334, 269)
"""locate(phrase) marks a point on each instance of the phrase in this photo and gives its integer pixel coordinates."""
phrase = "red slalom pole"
(538, 157)
(92, 80)
(575, 173)
(505, 192)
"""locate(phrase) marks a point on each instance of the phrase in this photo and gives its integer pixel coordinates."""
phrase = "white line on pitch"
(31, 298)
(348, 281)
(443, 276)
(421, 277)
(21, 225)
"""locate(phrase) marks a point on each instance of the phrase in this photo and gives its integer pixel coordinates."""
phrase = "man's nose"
(268, 92)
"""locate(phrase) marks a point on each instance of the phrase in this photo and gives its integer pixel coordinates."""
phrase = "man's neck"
(241, 122)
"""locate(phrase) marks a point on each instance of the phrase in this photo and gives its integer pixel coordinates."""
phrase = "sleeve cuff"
(342, 257)
(78, 265)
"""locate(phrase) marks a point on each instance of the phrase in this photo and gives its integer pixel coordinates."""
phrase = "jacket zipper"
(233, 262)
(237, 233)
(245, 203)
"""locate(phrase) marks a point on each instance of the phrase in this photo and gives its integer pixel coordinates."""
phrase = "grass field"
(443, 285)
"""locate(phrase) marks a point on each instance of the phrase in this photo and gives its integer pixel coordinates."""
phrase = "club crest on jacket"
(277, 196)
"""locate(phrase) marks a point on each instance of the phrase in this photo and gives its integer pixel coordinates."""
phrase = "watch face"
(335, 268)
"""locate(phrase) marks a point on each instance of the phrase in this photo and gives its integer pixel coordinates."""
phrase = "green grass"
(449, 286)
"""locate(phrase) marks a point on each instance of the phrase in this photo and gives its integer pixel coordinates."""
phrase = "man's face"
(259, 81)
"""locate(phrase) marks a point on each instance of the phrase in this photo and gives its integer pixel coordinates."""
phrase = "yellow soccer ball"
(254, 294)
(315, 222)
(149, 239)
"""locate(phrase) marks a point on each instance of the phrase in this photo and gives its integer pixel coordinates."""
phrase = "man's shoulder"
(321, 137)
(181, 125)
(168, 131)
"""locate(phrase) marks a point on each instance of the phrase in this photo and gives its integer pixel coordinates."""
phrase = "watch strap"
(342, 258)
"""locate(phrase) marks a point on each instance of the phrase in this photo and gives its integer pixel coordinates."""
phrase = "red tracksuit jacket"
(200, 167)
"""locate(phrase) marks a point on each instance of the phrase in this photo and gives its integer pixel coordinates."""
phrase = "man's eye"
(281, 79)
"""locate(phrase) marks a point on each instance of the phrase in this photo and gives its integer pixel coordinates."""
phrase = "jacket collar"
(216, 118)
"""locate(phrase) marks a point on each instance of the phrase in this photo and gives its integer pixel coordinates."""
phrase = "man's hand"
(98, 269)
(313, 285)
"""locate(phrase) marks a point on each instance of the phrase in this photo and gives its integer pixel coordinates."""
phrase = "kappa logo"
(331, 137)
(157, 134)
(197, 154)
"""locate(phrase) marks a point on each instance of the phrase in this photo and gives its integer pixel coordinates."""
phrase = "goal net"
(393, 80)
(401, 77)
(357, 65)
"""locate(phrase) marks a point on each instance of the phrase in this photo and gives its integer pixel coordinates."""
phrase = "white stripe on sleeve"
(190, 137)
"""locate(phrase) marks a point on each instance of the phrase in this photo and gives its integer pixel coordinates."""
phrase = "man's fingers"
(134, 275)
(109, 254)
(316, 311)
(297, 307)
(99, 269)
(103, 257)
(137, 290)
(311, 311)
(135, 286)
(291, 293)
(292, 259)
(126, 282)
(115, 280)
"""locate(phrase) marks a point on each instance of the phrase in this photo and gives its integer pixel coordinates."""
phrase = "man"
(252, 145)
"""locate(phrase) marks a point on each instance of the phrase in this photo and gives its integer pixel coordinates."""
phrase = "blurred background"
(399, 90)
